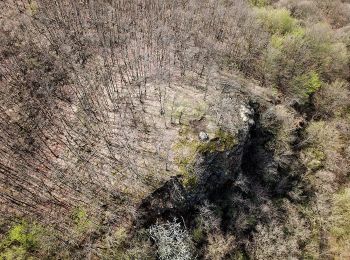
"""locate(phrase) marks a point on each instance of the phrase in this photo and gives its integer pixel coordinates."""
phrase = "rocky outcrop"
(238, 179)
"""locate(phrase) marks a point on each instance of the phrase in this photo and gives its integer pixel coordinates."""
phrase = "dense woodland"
(92, 97)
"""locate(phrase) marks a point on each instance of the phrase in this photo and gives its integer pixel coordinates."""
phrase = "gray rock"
(203, 136)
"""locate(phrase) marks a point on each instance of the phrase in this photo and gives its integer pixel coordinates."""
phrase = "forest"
(175, 129)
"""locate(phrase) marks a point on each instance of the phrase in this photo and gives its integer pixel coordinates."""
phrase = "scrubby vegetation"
(103, 102)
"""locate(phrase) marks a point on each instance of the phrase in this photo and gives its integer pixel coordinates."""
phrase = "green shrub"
(332, 138)
(81, 220)
(23, 235)
(341, 215)
(278, 40)
(14, 252)
(198, 234)
(285, 59)
(306, 84)
(277, 21)
(21, 240)
(328, 56)
(325, 136)
(297, 61)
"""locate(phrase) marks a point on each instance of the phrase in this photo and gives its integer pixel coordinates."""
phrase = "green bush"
(285, 59)
(81, 220)
(24, 235)
(325, 135)
(297, 61)
(21, 240)
(306, 84)
(341, 215)
(278, 40)
(332, 138)
(277, 21)
(198, 234)
(14, 252)
(328, 56)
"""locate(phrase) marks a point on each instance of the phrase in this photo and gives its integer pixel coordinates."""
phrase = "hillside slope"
(174, 129)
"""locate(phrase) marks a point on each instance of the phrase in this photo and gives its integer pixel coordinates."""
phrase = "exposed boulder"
(203, 136)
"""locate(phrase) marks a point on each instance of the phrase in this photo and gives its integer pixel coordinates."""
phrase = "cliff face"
(236, 170)
(217, 159)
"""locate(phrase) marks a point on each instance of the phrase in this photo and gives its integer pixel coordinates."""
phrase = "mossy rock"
(223, 141)
(188, 147)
